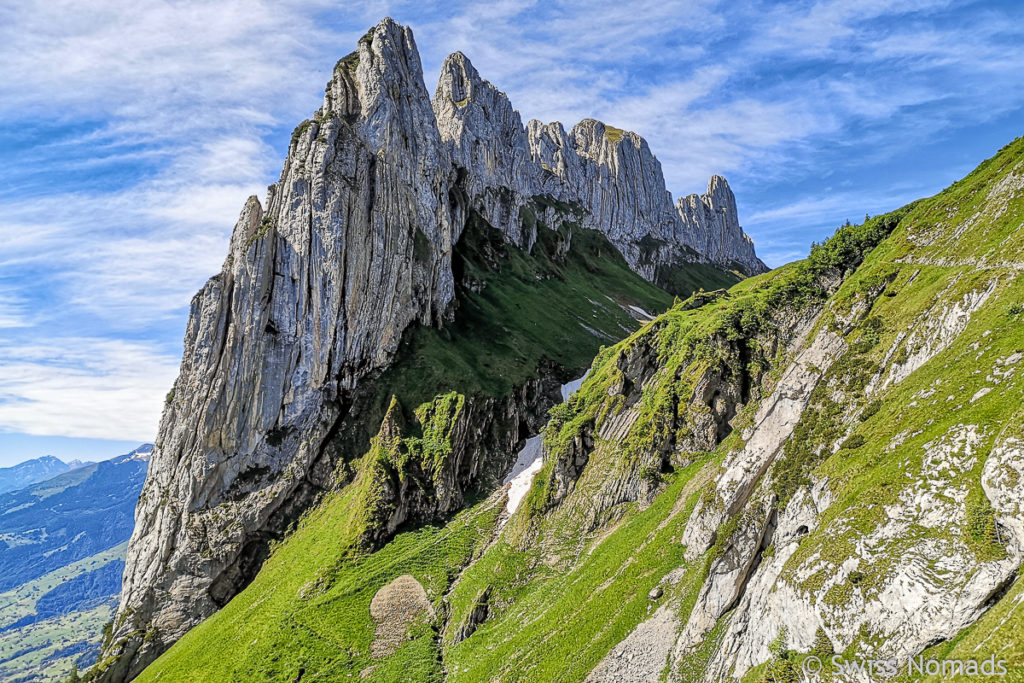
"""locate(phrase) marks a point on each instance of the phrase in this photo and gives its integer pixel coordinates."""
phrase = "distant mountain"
(62, 549)
(69, 517)
(31, 471)
(76, 463)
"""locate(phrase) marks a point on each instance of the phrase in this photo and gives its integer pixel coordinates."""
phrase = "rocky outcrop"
(698, 395)
(487, 143)
(477, 616)
(733, 492)
(776, 418)
(422, 470)
(394, 609)
(711, 227)
(616, 177)
(353, 246)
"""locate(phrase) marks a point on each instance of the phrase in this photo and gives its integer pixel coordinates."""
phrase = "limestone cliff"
(615, 175)
(824, 463)
(354, 245)
(711, 227)
(610, 173)
(352, 249)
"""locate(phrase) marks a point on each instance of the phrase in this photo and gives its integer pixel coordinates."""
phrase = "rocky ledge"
(353, 246)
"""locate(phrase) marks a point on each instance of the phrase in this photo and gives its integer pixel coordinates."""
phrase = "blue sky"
(132, 132)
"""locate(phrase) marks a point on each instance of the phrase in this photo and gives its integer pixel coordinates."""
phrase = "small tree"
(822, 647)
(108, 634)
(780, 667)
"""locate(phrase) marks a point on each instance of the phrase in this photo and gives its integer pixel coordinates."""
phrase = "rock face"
(616, 176)
(485, 139)
(711, 227)
(479, 437)
(353, 246)
(863, 493)
(611, 173)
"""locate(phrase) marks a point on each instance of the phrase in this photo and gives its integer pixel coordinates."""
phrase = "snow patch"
(572, 387)
(642, 312)
(530, 458)
(521, 483)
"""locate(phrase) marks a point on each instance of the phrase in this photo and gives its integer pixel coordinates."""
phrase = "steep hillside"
(394, 324)
(822, 461)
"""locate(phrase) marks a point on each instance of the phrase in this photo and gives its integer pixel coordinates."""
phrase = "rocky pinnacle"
(352, 246)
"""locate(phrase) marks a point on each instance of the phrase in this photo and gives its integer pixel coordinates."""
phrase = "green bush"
(854, 442)
(980, 529)
(299, 130)
(822, 647)
(870, 410)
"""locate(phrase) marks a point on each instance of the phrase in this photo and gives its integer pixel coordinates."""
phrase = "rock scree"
(394, 609)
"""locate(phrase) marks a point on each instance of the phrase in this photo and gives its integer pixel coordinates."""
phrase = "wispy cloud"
(15, 312)
(131, 135)
(763, 92)
(83, 387)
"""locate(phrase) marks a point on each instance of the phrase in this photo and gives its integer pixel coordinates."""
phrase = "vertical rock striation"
(487, 144)
(354, 246)
(616, 177)
(711, 227)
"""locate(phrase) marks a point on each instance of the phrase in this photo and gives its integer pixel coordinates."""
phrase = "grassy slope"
(994, 242)
(560, 604)
(560, 601)
(553, 617)
(530, 307)
(308, 609)
(534, 635)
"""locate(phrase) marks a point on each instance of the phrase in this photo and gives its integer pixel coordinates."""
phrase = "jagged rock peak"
(611, 173)
(382, 78)
(484, 136)
(459, 78)
(352, 246)
(711, 227)
(593, 136)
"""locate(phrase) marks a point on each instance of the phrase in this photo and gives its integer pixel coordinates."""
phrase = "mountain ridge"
(62, 544)
(820, 462)
(31, 471)
(365, 241)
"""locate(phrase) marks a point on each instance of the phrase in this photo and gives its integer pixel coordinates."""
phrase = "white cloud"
(191, 97)
(84, 387)
(14, 310)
